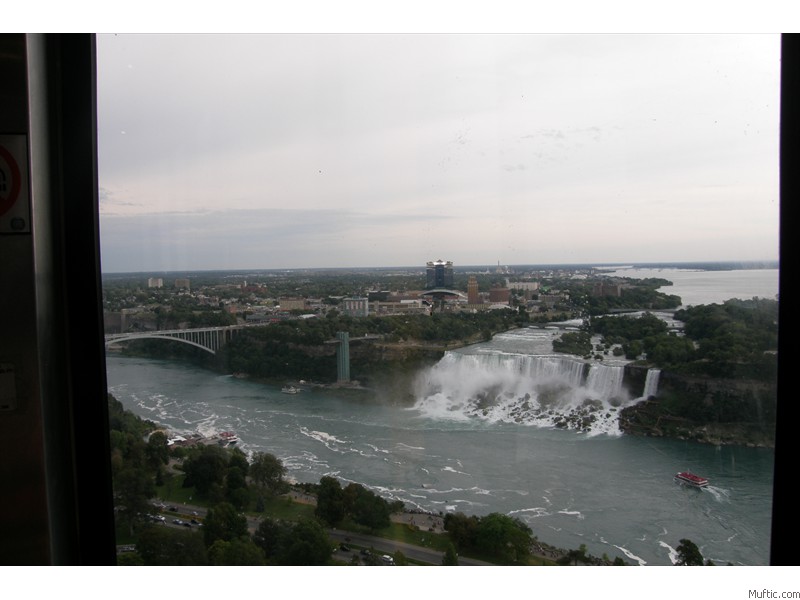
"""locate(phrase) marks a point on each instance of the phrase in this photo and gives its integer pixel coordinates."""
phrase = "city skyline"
(386, 150)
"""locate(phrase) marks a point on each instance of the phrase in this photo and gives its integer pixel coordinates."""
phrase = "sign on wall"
(15, 204)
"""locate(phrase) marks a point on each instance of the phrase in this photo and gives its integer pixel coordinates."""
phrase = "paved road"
(418, 553)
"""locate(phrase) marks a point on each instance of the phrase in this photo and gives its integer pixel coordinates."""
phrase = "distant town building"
(404, 307)
(528, 289)
(355, 307)
(606, 289)
(524, 285)
(128, 319)
(155, 282)
(182, 284)
(439, 274)
(289, 304)
(499, 295)
(550, 300)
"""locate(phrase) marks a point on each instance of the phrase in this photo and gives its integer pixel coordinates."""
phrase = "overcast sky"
(291, 150)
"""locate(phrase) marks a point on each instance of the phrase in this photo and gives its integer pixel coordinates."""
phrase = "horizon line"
(767, 264)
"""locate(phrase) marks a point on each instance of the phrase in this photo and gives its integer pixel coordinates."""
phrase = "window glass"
(393, 260)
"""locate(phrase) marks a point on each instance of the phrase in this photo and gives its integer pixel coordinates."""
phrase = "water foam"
(400, 444)
(631, 555)
(537, 511)
(720, 494)
(673, 553)
(574, 513)
(329, 441)
(538, 390)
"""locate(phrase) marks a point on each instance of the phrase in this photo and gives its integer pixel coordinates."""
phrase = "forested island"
(719, 378)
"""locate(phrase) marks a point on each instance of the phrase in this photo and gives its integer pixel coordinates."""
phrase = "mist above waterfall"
(542, 391)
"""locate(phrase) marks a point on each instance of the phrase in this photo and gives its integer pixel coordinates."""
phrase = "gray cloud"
(337, 150)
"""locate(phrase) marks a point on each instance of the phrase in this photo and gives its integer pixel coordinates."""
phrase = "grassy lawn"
(283, 507)
(173, 492)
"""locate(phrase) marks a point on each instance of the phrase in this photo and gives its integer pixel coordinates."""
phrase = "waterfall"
(605, 381)
(545, 391)
(651, 383)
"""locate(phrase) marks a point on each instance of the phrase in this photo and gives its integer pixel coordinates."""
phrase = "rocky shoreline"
(649, 419)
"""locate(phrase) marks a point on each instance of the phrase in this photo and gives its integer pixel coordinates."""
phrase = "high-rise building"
(439, 274)
(472, 291)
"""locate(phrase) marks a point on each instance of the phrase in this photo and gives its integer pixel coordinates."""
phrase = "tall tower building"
(439, 274)
(472, 291)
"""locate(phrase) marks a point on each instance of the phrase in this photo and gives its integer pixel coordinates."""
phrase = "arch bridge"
(210, 339)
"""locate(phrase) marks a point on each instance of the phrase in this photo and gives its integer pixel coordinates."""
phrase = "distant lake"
(711, 287)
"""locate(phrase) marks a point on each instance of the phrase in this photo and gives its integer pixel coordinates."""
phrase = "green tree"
(633, 349)
(223, 522)
(157, 451)
(575, 342)
(575, 556)
(267, 471)
(307, 545)
(238, 552)
(450, 557)
(238, 459)
(366, 507)
(205, 468)
(330, 501)
(269, 536)
(507, 538)
(234, 479)
(236, 488)
(159, 545)
(688, 553)
(463, 530)
(669, 349)
(133, 488)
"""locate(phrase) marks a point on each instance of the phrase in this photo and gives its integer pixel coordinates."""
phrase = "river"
(453, 451)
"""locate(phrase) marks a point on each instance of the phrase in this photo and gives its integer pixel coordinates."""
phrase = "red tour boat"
(691, 479)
